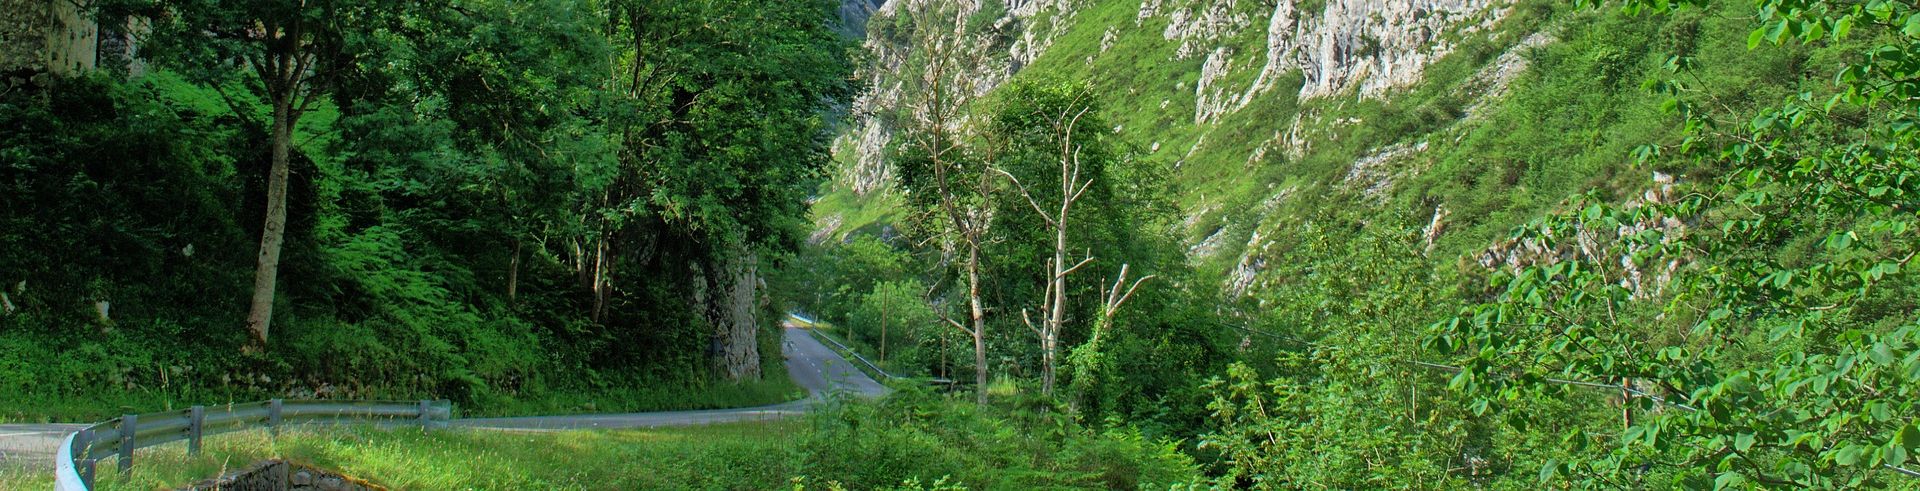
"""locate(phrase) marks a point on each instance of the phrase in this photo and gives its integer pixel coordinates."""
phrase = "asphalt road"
(812, 365)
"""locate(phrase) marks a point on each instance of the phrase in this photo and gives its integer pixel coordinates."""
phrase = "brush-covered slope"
(1450, 120)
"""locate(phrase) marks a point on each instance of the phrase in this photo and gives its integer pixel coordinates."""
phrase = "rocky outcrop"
(1368, 46)
(39, 37)
(1375, 174)
(280, 475)
(1642, 276)
(730, 290)
(854, 15)
(1013, 40)
(46, 36)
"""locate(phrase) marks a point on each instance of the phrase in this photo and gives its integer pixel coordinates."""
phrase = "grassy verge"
(912, 440)
(774, 389)
(12, 477)
(737, 455)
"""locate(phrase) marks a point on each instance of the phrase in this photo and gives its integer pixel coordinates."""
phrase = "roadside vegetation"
(473, 201)
(1675, 250)
(913, 440)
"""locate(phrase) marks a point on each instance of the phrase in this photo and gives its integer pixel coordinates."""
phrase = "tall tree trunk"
(883, 329)
(1049, 344)
(979, 324)
(600, 281)
(273, 233)
(513, 273)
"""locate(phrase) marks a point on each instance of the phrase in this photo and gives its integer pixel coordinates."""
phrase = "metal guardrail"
(863, 360)
(81, 451)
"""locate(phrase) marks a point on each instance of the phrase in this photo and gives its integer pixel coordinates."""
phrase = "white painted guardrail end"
(65, 476)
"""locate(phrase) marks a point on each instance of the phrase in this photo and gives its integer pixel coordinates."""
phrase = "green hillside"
(1427, 260)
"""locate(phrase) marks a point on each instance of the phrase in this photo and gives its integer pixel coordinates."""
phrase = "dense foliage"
(1641, 244)
(519, 206)
(1700, 281)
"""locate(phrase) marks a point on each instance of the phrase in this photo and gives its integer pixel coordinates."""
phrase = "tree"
(1060, 112)
(720, 117)
(940, 176)
(291, 53)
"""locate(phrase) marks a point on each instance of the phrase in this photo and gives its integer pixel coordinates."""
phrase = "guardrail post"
(197, 417)
(273, 417)
(426, 414)
(129, 426)
(86, 467)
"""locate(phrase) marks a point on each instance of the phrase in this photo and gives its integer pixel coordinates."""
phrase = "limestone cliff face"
(1365, 47)
(1368, 46)
(731, 293)
(1225, 86)
(1013, 33)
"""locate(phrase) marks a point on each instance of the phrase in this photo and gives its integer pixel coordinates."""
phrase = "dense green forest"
(518, 206)
(1137, 243)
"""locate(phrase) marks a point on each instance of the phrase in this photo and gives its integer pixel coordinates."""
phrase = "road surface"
(811, 364)
(813, 367)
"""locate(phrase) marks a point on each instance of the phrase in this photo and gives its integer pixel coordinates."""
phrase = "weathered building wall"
(23, 34)
(58, 37)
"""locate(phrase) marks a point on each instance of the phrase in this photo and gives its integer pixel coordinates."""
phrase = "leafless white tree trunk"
(1053, 303)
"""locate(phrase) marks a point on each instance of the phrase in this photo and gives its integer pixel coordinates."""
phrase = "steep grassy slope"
(1510, 109)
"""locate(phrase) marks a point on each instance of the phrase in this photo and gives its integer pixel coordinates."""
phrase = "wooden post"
(273, 417)
(196, 420)
(129, 426)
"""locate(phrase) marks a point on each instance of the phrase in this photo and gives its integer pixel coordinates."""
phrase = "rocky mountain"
(1267, 111)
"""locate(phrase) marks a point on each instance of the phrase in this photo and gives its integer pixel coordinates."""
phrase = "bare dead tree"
(1072, 187)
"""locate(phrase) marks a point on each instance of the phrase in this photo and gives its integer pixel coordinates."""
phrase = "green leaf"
(1779, 32)
(1753, 40)
(1548, 471)
(1840, 241)
(1850, 454)
(1728, 479)
(1893, 454)
(1743, 442)
(1913, 26)
(1909, 437)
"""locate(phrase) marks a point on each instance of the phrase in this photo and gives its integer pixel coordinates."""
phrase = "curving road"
(812, 365)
